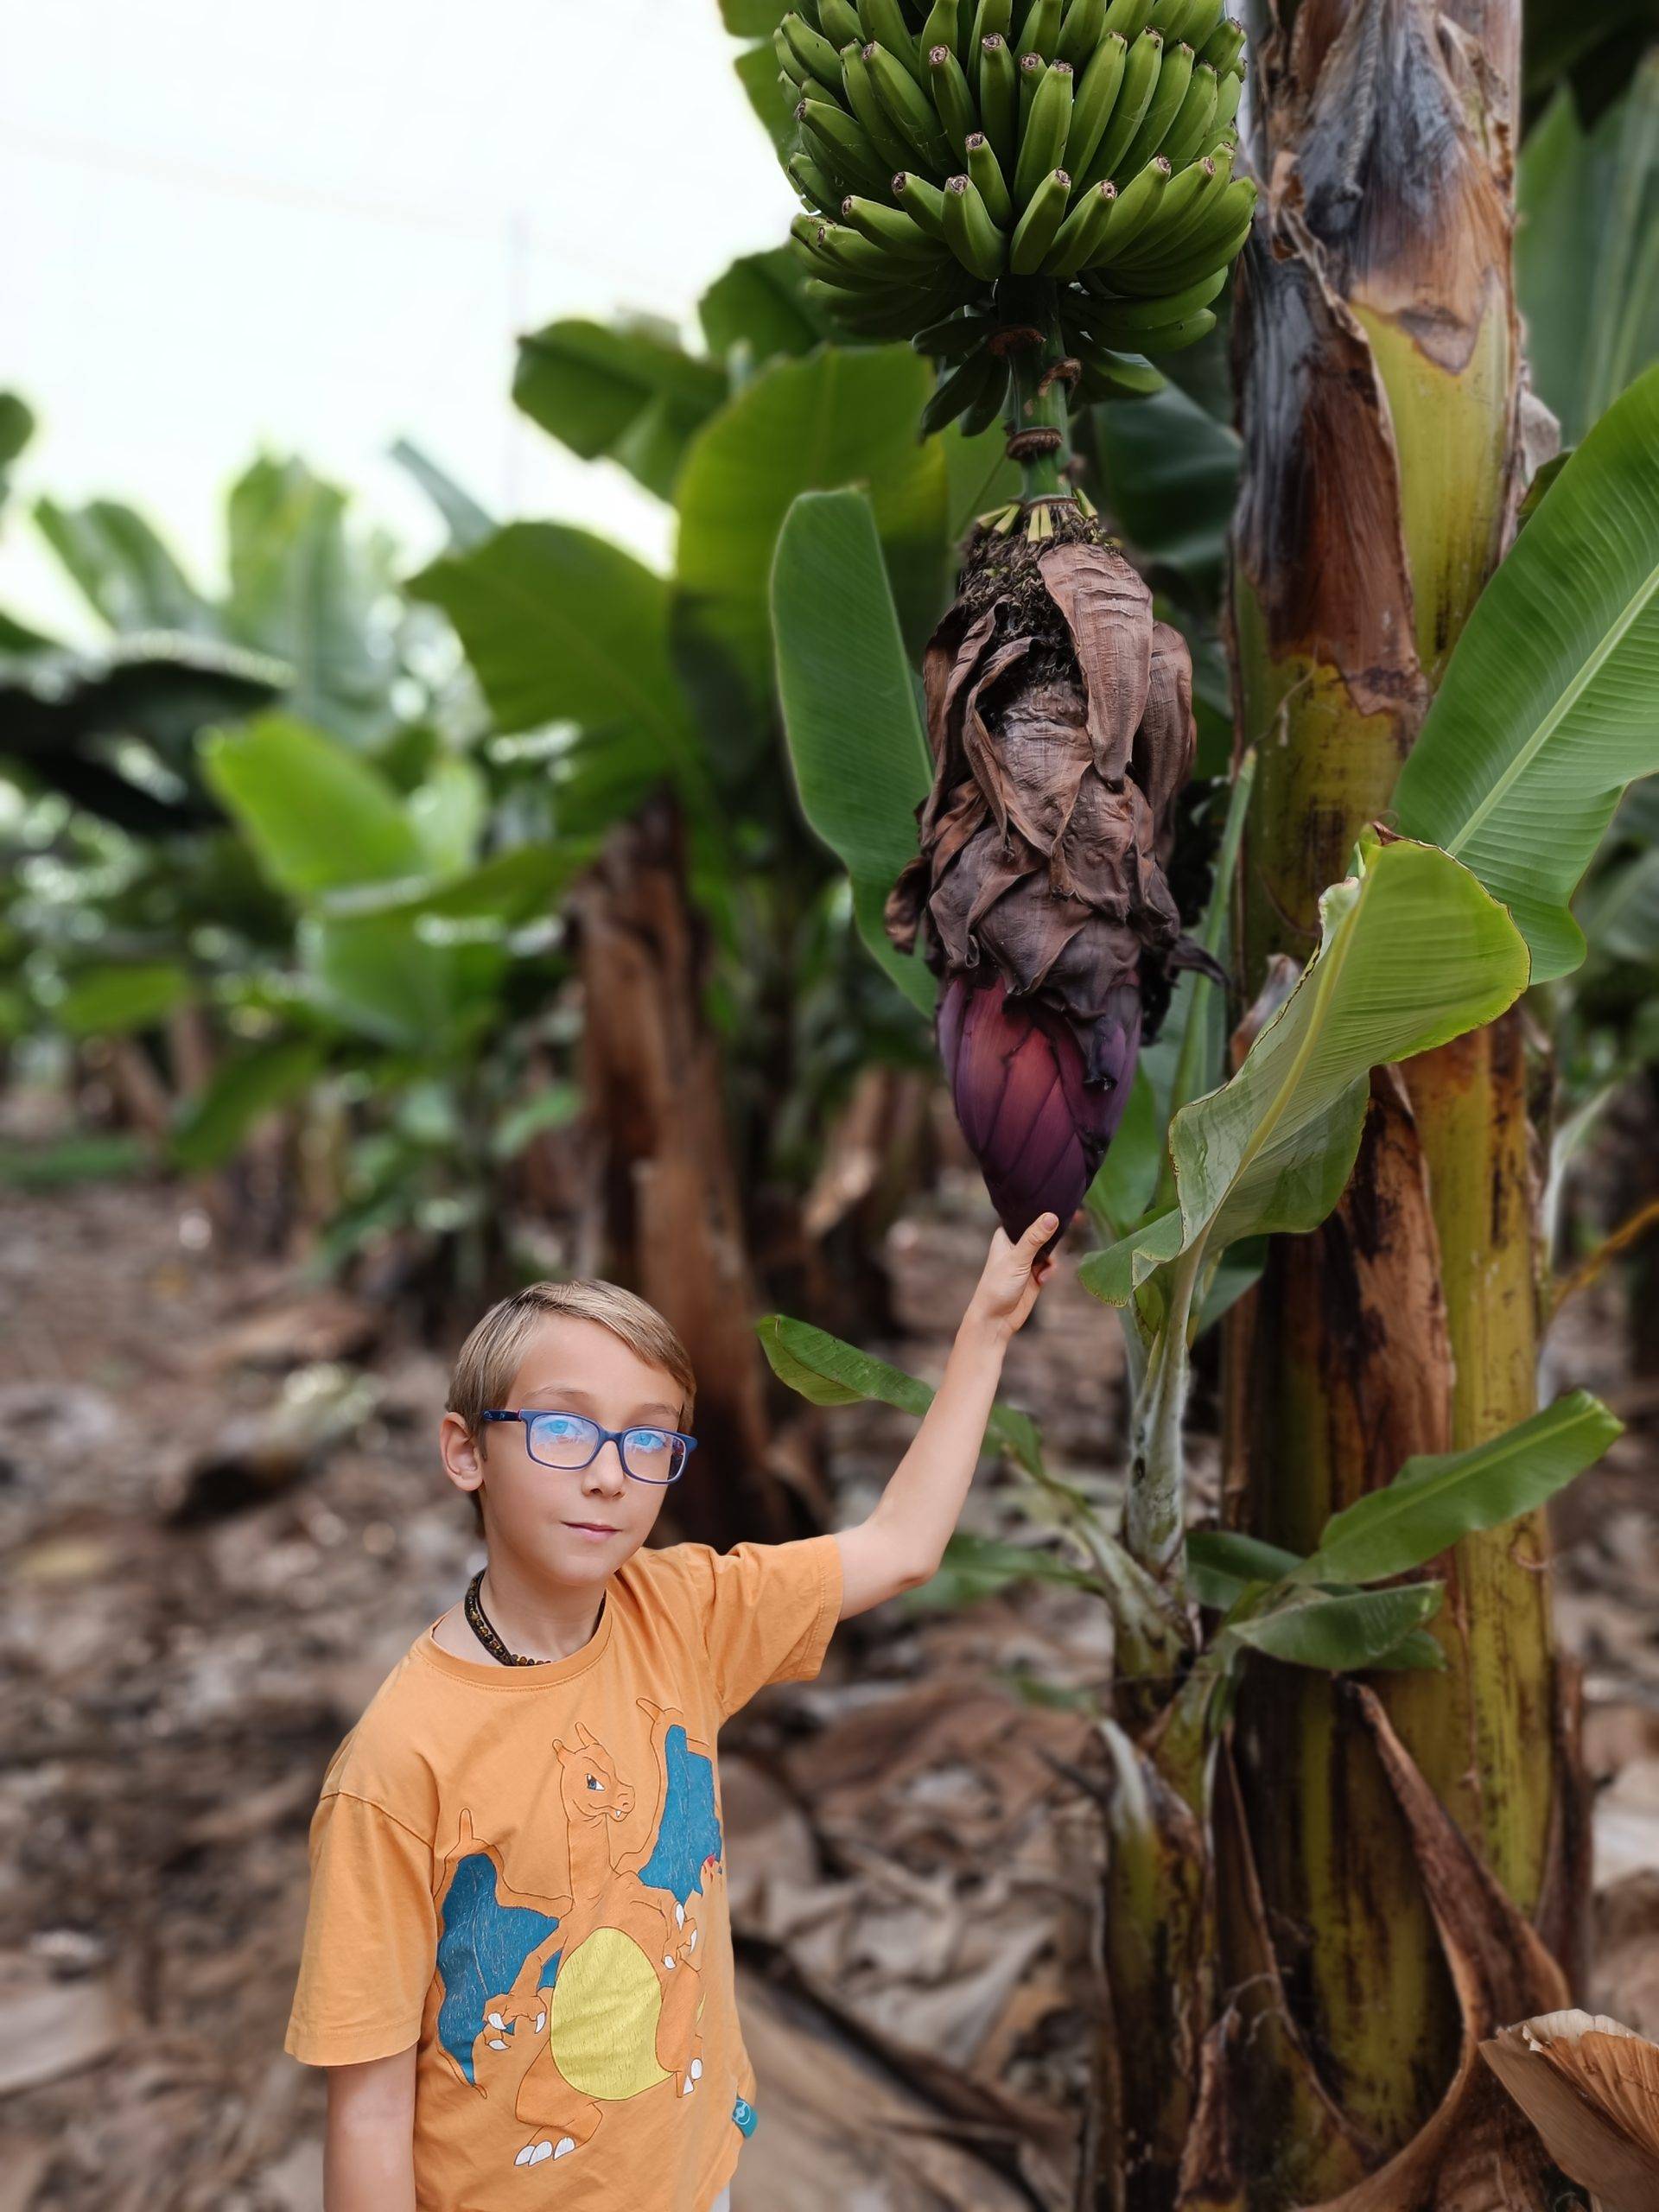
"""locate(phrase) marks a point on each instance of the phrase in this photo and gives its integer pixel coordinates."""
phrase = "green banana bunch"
(947, 147)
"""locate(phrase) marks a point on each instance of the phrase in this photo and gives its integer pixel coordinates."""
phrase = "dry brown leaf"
(50, 2028)
(1591, 2087)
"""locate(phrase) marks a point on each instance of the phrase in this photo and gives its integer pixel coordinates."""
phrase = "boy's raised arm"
(369, 2149)
(903, 1540)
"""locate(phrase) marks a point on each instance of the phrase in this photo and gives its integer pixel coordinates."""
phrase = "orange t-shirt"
(519, 1869)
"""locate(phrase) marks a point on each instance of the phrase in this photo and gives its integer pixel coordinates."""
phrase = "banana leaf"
(1435, 1499)
(1413, 953)
(855, 738)
(317, 815)
(1548, 707)
(626, 392)
(1344, 1633)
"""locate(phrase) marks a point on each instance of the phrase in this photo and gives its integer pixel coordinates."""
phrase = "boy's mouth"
(590, 1528)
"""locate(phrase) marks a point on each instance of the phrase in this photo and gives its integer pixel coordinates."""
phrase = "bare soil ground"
(222, 1522)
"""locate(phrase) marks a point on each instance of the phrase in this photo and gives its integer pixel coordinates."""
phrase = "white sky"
(312, 229)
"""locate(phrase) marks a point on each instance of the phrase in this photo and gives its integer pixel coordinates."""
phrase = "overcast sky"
(318, 228)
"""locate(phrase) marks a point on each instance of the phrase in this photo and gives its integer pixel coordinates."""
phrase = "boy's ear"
(463, 1453)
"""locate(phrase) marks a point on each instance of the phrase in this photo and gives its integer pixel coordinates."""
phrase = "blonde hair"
(489, 1359)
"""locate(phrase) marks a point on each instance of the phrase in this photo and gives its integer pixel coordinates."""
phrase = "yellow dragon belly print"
(557, 2008)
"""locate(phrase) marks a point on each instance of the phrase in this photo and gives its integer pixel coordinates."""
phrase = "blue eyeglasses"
(571, 1441)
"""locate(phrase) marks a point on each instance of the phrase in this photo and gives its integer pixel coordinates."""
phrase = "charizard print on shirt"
(558, 2006)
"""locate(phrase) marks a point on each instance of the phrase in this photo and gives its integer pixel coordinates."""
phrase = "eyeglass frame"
(617, 1436)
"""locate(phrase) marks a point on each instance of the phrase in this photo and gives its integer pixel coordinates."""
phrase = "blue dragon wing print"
(485, 1942)
(688, 1833)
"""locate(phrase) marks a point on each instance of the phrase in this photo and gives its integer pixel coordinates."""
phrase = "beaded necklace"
(485, 1630)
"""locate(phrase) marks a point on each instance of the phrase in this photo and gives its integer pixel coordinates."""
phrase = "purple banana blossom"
(1061, 719)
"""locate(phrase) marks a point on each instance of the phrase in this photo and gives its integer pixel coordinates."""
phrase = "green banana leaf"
(560, 625)
(826, 1371)
(1597, 48)
(1619, 912)
(626, 392)
(1170, 474)
(1341, 1634)
(1587, 251)
(211, 1127)
(317, 815)
(308, 590)
(835, 418)
(855, 738)
(1434, 1500)
(384, 980)
(1222, 1563)
(123, 569)
(470, 523)
(111, 1002)
(978, 1567)
(759, 305)
(1413, 952)
(16, 429)
(1550, 701)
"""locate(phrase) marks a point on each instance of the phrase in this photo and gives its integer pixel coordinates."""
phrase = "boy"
(518, 1962)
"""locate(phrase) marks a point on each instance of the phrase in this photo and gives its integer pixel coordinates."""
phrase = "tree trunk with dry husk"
(668, 1196)
(1382, 407)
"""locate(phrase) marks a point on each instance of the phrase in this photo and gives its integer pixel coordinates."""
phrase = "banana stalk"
(1379, 354)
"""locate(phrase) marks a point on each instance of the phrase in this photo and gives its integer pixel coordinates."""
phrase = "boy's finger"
(1036, 1236)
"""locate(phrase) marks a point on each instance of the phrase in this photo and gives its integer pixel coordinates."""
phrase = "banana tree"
(1314, 1909)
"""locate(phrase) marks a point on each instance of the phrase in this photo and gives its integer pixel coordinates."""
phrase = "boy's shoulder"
(382, 1760)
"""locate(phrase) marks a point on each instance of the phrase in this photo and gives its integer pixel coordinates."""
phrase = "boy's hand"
(1013, 1274)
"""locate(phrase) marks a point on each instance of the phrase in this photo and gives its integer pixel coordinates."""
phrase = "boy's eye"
(650, 1439)
(561, 1425)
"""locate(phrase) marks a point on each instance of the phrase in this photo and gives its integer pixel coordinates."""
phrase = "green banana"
(1190, 129)
(885, 25)
(1176, 337)
(952, 340)
(909, 110)
(1217, 170)
(863, 256)
(1107, 375)
(1199, 21)
(953, 98)
(1127, 322)
(1141, 74)
(798, 83)
(986, 408)
(1093, 97)
(1042, 143)
(1165, 105)
(1035, 231)
(992, 19)
(922, 202)
(811, 49)
(969, 233)
(943, 26)
(810, 180)
(1129, 18)
(1228, 92)
(1177, 203)
(986, 171)
(1131, 210)
(808, 231)
(844, 146)
(1221, 231)
(1081, 33)
(1077, 238)
(1224, 46)
(1040, 32)
(868, 106)
(999, 98)
(965, 385)
(841, 24)
(1032, 70)
(890, 228)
